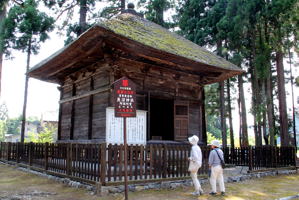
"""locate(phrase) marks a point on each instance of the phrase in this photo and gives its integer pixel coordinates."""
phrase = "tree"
(46, 135)
(13, 125)
(155, 10)
(3, 120)
(87, 14)
(3, 11)
(24, 29)
(198, 22)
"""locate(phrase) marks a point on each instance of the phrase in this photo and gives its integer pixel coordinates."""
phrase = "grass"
(14, 182)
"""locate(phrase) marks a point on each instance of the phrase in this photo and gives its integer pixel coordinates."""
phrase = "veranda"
(101, 163)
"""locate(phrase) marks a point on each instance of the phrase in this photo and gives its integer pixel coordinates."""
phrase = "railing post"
(8, 151)
(275, 156)
(250, 159)
(17, 153)
(102, 157)
(46, 155)
(165, 161)
(30, 157)
(68, 158)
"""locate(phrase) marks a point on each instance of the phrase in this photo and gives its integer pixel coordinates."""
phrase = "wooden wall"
(85, 96)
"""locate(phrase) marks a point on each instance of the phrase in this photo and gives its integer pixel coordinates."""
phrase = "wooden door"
(181, 120)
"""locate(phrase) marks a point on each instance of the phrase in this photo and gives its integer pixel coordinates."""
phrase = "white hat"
(215, 143)
(193, 139)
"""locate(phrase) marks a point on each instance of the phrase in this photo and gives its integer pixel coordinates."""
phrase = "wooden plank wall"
(84, 118)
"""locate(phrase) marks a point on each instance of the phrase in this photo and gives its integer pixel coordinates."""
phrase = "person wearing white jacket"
(195, 162)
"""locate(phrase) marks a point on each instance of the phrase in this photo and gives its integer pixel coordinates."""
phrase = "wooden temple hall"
(168, 70)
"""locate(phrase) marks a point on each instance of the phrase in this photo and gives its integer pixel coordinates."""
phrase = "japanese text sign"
(125, 98)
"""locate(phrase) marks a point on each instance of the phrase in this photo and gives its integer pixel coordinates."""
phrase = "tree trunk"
(269, 89)
(123, 4)
(270, 108)
(83, 13)
(25, 94)
(243, 112)
(231, 130)
(240, 122)
(2, 17)
(293, 103)
(265, 134)
(284, 135)
(222, 114)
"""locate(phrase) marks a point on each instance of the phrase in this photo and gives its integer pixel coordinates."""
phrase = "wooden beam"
(93, 92)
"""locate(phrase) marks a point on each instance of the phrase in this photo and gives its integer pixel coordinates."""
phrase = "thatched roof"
(133, 34)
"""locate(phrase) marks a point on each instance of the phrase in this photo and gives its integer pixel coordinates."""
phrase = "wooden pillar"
(90, 114)
(73, 113)
(102, 162)
(59, 115)
(202, 118)
(69, 151)
(148, 116)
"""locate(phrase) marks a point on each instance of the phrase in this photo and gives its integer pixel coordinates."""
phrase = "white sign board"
(136, 128)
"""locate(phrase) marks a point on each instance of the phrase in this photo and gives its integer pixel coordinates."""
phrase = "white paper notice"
(136, 128)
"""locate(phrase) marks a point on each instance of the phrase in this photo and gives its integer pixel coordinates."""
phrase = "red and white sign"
(125, 98)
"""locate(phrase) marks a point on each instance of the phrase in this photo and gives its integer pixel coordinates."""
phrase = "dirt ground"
(18, 185)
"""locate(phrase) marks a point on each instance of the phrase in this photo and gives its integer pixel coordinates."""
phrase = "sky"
(43, 97)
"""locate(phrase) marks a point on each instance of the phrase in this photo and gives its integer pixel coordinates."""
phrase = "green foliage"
(73, 31)
(3, 130)
(44, 136)
(155, 10)
(25, 28)
(211, 137)
(214, 126)
(13, 125)
(297, 81)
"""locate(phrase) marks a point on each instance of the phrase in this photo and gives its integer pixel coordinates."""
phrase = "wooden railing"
(257, 158)
(105, 163)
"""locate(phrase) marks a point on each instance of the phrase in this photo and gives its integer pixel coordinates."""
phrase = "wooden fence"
(105, 163)
(257, 158)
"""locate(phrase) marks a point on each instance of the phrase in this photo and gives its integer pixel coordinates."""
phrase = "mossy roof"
(132, 30)
(154, 35)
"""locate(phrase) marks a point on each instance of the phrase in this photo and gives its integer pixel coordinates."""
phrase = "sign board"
(136, 128)
(125, 98)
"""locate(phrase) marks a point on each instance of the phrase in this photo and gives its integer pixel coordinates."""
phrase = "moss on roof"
(153, 35)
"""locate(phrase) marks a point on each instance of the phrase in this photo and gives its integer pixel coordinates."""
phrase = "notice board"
(136, 128)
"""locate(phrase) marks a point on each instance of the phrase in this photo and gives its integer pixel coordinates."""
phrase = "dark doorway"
(161, 119)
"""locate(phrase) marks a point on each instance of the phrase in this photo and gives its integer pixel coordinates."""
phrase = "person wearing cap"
(215, 157)
(195, 162)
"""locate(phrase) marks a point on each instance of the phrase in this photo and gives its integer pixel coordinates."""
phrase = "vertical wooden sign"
(125, 106)
(125, 98)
